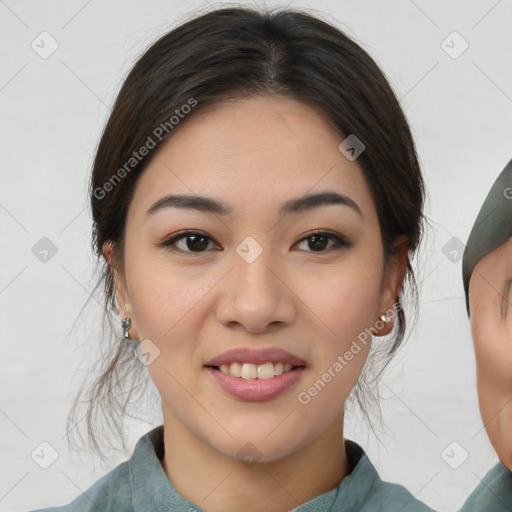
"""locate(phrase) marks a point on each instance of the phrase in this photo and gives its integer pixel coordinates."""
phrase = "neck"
(219, 483)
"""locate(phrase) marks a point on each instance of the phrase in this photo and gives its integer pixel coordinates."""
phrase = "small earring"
(126, 323)
(385, 318)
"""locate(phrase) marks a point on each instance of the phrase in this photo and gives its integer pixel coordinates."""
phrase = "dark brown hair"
(229, 53)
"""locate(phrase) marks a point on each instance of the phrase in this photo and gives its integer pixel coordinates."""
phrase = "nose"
(256, 296)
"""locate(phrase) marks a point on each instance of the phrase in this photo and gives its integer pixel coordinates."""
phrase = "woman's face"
(490, 302)
(254, 278)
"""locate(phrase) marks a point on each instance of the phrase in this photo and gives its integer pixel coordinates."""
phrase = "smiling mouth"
(249, 371)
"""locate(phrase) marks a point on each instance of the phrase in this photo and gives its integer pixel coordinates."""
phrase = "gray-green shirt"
(141, 485)
(493, 493)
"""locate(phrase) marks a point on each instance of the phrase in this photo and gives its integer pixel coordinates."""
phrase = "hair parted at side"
(230, 53)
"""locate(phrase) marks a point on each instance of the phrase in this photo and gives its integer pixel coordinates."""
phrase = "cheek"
(164, 296)
(494, 362)
(344, 311)
(347, 302)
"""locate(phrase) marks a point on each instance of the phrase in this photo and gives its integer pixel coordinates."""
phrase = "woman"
(487, 277)
(256, 196)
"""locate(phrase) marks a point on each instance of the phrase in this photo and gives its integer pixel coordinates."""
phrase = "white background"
(52, 114)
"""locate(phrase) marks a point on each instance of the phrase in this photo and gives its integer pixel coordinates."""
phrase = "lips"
(256, 356)
(264, 387)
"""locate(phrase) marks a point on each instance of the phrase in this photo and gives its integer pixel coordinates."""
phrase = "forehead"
(253, 151)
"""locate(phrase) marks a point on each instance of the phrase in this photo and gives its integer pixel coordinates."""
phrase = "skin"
(254, 154)
(490, 303)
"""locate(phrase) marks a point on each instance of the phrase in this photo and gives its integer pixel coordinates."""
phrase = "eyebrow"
(210, 205)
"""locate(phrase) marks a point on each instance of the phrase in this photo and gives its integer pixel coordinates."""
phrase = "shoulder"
(493, 493)
(373, 493)
(130, 484)
(139, 483)
(108, 494)
(390, 497)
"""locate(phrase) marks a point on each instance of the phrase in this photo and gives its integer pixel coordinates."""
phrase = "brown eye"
(191, 241)
(198, 242)
(319, 240)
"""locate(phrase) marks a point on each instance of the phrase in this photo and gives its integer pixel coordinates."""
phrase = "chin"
(505, 455)
(501, 440)
(250, 449)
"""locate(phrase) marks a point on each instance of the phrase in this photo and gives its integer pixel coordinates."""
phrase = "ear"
(122, 299)
(392, 281)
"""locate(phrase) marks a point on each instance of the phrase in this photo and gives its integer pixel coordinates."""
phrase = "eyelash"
(340, 242)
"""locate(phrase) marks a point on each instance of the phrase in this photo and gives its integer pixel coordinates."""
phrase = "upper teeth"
(255, 371)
